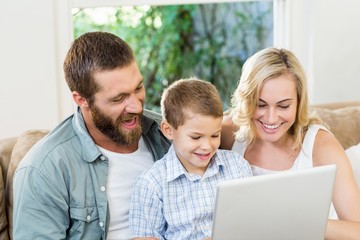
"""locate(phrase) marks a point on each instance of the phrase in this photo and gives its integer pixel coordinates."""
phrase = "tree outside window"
(209, 41)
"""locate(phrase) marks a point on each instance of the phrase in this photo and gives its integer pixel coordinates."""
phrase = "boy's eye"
(215, 136)
(261, 105)
(195, 138)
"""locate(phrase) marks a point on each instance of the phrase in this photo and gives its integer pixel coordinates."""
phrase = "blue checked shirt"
(170, 203)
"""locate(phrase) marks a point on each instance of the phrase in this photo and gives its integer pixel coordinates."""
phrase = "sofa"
(342, 118)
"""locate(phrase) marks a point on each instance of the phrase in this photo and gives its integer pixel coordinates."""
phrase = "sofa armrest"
(23, 144)
(6, 147)
(3, 216)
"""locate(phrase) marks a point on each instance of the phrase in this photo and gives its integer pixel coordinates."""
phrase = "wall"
(36, 34)
(336, 51)
(33, 40)
(325, 35)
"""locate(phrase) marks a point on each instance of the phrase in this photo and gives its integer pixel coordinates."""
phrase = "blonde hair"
(267, 64)
(190, 95)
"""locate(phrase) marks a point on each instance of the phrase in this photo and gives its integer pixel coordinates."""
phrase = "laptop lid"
(285, 205)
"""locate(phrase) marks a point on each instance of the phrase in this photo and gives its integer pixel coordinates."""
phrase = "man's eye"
(139, 87)
(120, 99)
(195, 138)
(215, 136)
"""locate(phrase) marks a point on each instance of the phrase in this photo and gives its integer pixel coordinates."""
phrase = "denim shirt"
(60, 185)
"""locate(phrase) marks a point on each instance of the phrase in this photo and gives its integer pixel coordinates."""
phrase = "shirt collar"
(175, 169)
(90, 152)
(88, 149)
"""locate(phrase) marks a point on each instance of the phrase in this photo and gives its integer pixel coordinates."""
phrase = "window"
(208, 40)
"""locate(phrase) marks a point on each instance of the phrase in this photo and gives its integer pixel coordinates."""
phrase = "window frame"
(281, 29)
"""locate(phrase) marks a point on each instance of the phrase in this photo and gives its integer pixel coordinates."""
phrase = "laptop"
(286, 205)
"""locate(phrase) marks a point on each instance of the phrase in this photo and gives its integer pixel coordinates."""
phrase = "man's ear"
(167, 129)
(79, 100)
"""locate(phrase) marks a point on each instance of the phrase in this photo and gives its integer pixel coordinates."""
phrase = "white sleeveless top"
(303, 160)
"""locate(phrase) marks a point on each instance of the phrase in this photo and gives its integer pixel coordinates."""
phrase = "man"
(76, 182)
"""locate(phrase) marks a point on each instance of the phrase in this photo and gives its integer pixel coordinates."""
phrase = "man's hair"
(93, 52)
(187, 96)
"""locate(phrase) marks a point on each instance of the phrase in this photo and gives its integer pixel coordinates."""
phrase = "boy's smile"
(196, 141)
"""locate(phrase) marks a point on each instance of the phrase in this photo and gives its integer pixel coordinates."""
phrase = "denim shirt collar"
(90, 151)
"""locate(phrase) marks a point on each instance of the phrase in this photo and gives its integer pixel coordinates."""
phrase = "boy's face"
(196, 141)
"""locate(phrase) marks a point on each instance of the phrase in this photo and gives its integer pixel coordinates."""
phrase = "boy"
(175, 198)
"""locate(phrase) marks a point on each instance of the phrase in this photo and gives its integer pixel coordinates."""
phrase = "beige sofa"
(343, 120)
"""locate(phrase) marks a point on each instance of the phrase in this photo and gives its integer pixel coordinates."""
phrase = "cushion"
(343, 123)
(353, 154)
(24, 142)
(6, 146)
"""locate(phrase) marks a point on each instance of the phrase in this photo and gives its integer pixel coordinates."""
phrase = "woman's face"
(276, 111)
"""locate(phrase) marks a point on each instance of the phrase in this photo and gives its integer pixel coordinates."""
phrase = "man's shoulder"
(52, 142)
(153, 115)
(153, 136)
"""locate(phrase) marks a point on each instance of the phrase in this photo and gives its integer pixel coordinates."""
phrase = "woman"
(274, 132)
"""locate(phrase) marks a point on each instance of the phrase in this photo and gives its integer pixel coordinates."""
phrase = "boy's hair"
(93, 52)
(187, 96)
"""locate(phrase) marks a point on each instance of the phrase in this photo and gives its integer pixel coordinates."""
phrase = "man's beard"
(113, 129)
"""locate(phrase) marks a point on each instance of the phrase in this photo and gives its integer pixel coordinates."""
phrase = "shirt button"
(102, 157)
(102, 189)
(101, 224)
(88, 217)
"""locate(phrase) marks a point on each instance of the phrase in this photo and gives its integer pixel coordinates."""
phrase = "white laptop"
(287, 205)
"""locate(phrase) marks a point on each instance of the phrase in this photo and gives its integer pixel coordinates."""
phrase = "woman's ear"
(79, 100)
(167, 129)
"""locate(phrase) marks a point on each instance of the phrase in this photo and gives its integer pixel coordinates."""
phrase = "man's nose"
(133, 104)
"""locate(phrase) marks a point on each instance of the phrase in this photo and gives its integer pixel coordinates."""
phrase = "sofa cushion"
(6, 146)
(3, 218)
(24, 142)
(342, 122)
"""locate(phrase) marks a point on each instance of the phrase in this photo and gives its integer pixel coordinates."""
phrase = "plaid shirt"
(170, 203)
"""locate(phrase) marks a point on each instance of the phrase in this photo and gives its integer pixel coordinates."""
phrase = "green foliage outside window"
(209, 41)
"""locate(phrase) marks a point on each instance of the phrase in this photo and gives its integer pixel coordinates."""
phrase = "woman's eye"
(284, 106)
